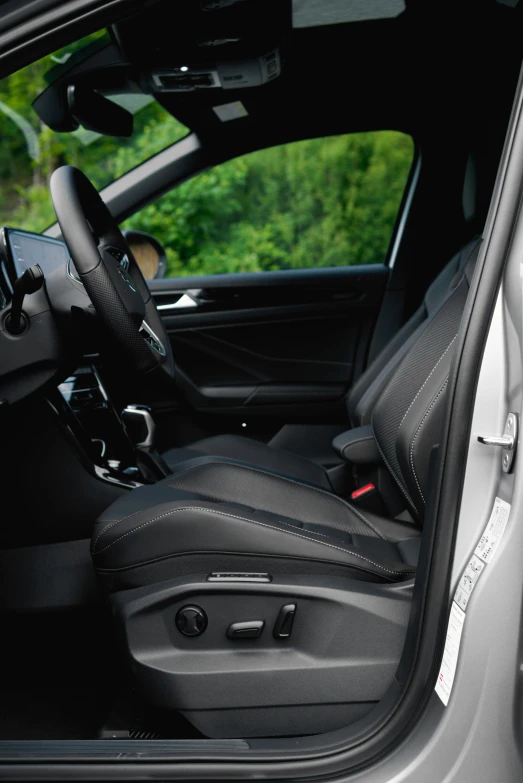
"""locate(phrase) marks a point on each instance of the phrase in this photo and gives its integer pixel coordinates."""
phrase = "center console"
(88, 400)
(118, 447)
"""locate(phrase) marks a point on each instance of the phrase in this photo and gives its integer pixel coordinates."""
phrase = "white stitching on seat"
(427, 380)
(255, 470)
(397, 479)
(417, 433)
(254, 522)
(319, 489)
(289, 480)
(105, 529)
(400, 481)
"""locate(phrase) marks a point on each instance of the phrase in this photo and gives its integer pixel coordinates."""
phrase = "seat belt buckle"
(368, 498)
(359, 495)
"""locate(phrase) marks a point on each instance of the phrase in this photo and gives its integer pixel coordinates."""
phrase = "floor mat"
(131, 718)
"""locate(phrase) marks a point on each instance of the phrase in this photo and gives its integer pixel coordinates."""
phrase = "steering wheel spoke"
(152, 339)
(109, 273)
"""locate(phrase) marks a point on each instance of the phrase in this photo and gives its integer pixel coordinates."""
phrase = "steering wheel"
(110, 273)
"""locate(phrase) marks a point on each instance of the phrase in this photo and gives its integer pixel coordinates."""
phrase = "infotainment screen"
(28, 249)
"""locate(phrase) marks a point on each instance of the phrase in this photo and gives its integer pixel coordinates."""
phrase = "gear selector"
(139, 422)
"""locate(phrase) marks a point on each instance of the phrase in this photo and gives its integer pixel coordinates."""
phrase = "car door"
(275, 275)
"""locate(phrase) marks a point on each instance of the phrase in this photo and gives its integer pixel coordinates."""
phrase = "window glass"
(316, 13)
(317, 203)
(30, 151)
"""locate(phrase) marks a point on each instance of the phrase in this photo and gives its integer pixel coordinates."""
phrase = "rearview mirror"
(97, 113)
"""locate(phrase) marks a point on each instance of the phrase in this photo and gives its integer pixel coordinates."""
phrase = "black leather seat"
(313, 465)
(216, 513)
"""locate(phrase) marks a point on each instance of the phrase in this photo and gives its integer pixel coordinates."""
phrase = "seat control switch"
(284, 621)
(191, 621)
(250, 630)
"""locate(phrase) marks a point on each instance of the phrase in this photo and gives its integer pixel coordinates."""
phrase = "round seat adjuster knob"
(191, 621)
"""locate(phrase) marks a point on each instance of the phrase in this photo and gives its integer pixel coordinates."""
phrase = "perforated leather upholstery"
(216, 514)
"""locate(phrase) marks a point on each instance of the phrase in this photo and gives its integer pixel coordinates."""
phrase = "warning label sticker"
(483, 555)
(468, 581)
(450, 653)
(493, 532)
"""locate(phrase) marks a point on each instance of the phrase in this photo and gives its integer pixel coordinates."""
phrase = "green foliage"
(30, 152)
(315, 203)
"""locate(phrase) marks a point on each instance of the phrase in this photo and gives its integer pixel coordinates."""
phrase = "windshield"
(30, 151)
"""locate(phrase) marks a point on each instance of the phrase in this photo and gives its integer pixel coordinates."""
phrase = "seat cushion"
(216, 514)
(252, 452)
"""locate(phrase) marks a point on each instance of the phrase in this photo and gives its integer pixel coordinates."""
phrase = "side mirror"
(150, 255)
(97, 113)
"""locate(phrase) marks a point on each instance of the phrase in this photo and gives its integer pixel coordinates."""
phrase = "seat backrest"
(407, 417)
(366, 391)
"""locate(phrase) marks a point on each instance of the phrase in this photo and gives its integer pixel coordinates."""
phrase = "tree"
(313, 203)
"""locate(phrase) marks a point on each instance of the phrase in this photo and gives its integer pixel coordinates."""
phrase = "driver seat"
(257, 605)
(318, 461)
(217, 513)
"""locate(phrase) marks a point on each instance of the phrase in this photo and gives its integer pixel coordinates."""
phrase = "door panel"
(285, 344)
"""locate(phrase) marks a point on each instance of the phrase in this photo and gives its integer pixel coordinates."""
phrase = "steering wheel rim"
(109, 272)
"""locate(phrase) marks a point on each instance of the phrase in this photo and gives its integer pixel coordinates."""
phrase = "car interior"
(216, 488)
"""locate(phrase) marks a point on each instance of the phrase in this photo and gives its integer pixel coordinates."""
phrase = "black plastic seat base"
(337, 663)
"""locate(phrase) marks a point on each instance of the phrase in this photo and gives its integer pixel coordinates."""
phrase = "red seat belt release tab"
(362, 491)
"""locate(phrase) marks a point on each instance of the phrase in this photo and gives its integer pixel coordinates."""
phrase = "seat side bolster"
(366, 391)
(420, 430)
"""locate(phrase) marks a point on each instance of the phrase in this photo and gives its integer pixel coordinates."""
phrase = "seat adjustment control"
(250, 630)
(191, 621)
(284, 621)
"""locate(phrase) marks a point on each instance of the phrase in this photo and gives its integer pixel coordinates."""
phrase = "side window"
(317, 203)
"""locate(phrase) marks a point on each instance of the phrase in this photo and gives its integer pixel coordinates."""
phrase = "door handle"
(508, 441)
(185, 302)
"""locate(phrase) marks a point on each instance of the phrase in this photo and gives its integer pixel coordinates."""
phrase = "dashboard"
(21, 249)
(54, 322)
